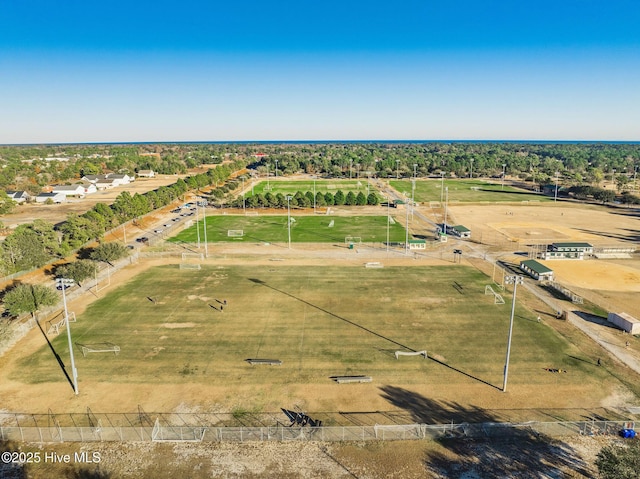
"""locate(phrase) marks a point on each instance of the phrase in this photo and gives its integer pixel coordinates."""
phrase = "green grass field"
(461, 190)
(290, 187)
(310, 229)
(320, 321)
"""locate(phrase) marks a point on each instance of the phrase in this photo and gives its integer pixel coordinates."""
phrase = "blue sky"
(78, 71)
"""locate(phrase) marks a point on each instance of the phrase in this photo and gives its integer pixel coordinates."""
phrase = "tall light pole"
(289, 217)
(446, 202)
(268, 187)
(314, 195)
(397, 169)
(388, 222)
(244, 207)
(406, 241)
(613, 179)
(358, 170)
(555, 198)
(64, 283)
(515, 281)
(504, 167)
(635, 172)
(198, 222)
(350, 167)
(471, 172)
(276, 168)
(206, 244)
(441, 187)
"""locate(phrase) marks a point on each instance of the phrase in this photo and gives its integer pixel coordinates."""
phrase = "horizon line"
(316, 141)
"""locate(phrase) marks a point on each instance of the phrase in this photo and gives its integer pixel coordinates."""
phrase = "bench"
(270, 362)
(351, 379)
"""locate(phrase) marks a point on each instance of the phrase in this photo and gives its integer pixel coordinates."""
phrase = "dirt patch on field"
(595, 274)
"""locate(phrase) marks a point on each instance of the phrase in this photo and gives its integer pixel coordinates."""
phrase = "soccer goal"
(497, 299)
(56, 324)
(352, 240)
(331, 223)
(190, 266)
(196, 256)
(412, 353)
(392, 221)
(235, 233)
(99, 348)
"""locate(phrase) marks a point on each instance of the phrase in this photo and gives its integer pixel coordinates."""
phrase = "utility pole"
(64, 283)
(515, 281)
(504, 166)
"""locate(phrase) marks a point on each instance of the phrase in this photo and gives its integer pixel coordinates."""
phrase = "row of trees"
(306, 200)
(31, 298)
(583, 192)
(27, 167)
(36, 244)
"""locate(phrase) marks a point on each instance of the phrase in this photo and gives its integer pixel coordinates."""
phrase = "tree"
(350, 199)
(109, 252)
(361, 199)
(338, 198)
(77, 271)
(6, 204)
(372, 199)
(329, 199)
(29, 298)
(616, 461)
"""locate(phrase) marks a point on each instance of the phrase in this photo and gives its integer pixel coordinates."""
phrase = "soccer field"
(309, 229)
(464, 191)
(172, 327)
(290, 187)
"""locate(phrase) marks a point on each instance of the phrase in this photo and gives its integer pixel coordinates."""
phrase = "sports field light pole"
(635, 172)
(350, 167)
(276, 168)
(413, 189)
(289, 218)
(206, 245)
(198, 222)
(388, 222)
(555, 198)
(471, 172)
(64, 283)
(515, 281)
(397, 169)
(504, 166)
(441, 187)
(244, 209)
(406, 241)
(268, 187)
(314, 195)
(446, 202)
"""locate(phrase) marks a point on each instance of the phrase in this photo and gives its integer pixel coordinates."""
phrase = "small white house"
(146, 174)
(119, 180)
(104, 184)
(19, 196)
(55, 197)
(536, 270)
(70, 190)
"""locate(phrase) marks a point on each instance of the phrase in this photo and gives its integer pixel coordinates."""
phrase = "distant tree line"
(306, 200)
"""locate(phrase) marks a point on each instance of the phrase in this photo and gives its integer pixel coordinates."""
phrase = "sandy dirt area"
(545, 222)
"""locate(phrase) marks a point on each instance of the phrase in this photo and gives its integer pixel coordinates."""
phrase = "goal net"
(353, 240)
(188, 256)
(99, 348)
(235, 233)
(56, 324)
(190, 266)
(497, 299)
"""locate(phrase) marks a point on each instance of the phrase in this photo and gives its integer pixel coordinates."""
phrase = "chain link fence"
(160, 432)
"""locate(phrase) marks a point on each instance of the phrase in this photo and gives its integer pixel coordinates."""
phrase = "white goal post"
(497, 299)
(412, 353)
(187, 256)
(55, 324)
(99, 348)
(190, 266)
(235, 233)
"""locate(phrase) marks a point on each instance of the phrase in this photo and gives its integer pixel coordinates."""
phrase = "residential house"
(19, 196)
(54, 197)
(70, 190)
(146, 174)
